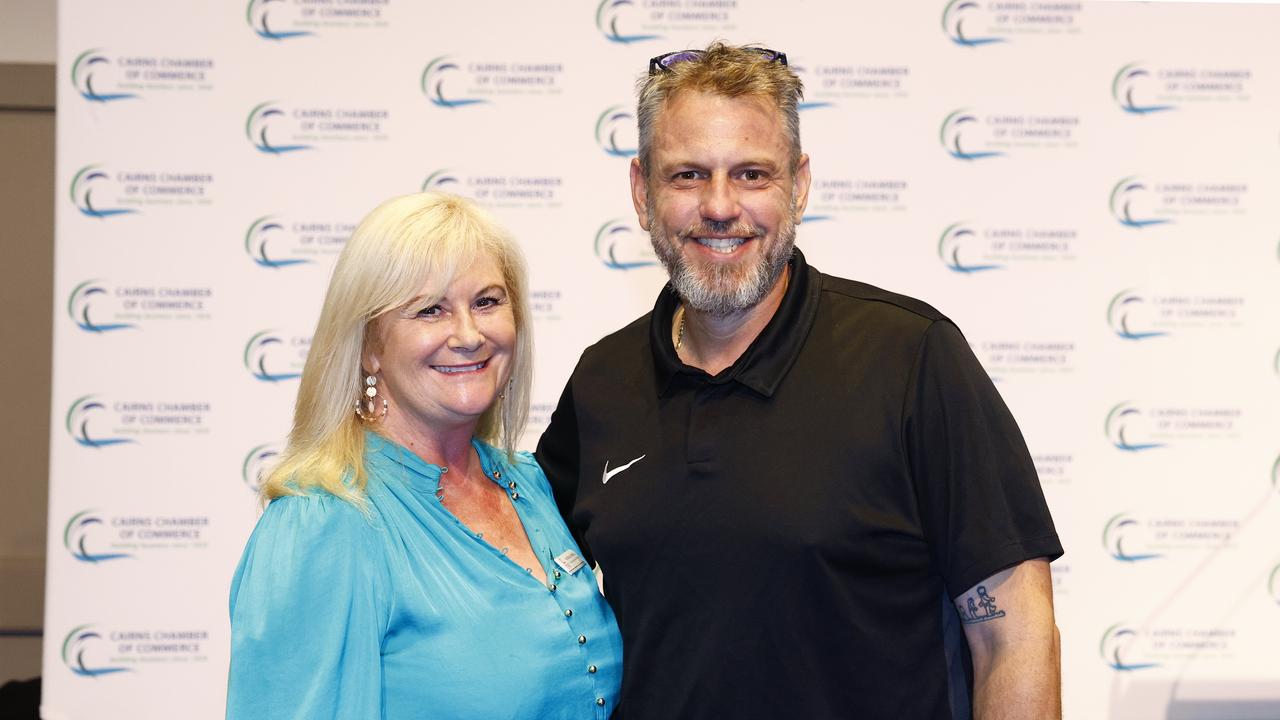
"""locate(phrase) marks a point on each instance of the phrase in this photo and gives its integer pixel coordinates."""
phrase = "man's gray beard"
(729, 289)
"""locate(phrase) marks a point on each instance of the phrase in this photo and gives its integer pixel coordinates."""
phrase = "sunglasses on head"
(663, 63)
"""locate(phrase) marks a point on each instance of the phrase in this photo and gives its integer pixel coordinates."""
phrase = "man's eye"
(753, 176)
(687, 176)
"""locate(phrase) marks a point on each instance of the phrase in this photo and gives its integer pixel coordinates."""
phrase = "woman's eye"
(430, 312)
(485, 302)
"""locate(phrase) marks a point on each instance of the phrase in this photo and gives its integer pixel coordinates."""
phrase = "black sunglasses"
(663, 62)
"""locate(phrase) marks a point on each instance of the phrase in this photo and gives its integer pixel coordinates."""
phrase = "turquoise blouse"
(406, 613)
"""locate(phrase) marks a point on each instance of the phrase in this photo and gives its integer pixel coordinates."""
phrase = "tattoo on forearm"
(980, 610)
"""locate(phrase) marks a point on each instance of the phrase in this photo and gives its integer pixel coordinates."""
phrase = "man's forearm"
(1021, 683)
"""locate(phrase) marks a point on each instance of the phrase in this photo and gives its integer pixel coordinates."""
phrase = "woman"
(410, 564)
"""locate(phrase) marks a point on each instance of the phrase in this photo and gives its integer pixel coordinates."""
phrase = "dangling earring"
(367, 406)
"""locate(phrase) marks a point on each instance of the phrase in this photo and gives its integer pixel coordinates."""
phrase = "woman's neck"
(450, 447)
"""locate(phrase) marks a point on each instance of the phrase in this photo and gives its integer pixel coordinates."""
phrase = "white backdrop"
(1089, 189)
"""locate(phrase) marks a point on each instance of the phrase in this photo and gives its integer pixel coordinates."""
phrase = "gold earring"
(367, 406)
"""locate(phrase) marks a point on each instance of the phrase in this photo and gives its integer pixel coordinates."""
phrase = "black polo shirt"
(782, 540)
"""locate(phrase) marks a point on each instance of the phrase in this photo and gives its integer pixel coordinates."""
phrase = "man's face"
(720, 201)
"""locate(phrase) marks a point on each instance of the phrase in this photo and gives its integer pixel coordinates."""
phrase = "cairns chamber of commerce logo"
(1120, 528)
(616, 132)
(76, 538)
(1118, 649)
(258, 463)
(91, 78)
(258, 15)
(267, 352)
(621, 247)
(1125, 316)
(954, 128)
(79, 416)
(88, 180)
(1126, 199)
(954, 17)
(265, 230)
(262, 119)
(1124, 426)
(954, 240)
(434, 77)
(443, 180)
(1127, 88)
(611, 13)
(80, 302)
(81, 652)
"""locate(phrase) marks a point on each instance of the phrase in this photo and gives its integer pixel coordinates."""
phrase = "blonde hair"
(406, 242)
(726, 70)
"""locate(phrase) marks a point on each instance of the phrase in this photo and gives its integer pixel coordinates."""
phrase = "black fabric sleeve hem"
(1047, 546)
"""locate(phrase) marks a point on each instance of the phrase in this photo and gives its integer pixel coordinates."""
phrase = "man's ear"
(803, 178)
(640, 193)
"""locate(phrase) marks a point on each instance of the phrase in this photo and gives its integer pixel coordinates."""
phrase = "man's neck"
(714, 342)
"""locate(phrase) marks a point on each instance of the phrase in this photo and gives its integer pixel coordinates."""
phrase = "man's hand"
(1008, 620)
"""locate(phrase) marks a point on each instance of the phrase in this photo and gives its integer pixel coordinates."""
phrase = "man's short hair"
(726, 70)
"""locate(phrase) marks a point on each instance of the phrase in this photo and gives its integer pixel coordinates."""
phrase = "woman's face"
(440, 367)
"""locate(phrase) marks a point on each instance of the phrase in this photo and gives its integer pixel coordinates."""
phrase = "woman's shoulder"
(315, 511)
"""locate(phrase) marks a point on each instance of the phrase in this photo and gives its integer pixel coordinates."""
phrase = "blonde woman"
(410, 563)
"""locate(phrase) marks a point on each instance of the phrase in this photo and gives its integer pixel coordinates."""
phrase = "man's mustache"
(732, 228)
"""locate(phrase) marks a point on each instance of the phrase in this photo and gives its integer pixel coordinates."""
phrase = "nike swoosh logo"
(610, 473)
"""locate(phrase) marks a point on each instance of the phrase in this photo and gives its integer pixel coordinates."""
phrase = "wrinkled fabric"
(406, 613)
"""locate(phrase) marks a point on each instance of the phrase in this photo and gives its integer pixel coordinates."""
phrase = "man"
(810, 502)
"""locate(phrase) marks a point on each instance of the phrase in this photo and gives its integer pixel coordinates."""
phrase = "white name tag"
(569, 561)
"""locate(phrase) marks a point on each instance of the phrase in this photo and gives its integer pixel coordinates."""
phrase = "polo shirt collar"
(767, 360)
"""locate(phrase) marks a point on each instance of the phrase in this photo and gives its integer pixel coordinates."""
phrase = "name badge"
(570, 561)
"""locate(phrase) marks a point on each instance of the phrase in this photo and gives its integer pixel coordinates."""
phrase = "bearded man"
(811, 501)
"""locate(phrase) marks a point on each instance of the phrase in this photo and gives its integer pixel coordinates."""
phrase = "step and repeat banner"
(1091, 190)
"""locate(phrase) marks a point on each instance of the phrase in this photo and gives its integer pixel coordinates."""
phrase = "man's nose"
(719, 199)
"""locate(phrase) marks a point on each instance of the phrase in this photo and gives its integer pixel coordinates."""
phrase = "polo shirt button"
(568, 612)
(591, 668)
(600, 702)
(582, 639)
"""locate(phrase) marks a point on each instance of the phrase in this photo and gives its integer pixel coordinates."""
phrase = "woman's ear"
(369, 362)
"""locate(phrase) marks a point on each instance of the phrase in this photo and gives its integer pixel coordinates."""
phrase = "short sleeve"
(981, 503)
(308, 615)
(557, 454)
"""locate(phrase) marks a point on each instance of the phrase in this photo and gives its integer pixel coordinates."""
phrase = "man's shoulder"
(843, 295)
(618, 347)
